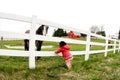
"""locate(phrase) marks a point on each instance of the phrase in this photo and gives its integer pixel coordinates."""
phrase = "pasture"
(97, 67)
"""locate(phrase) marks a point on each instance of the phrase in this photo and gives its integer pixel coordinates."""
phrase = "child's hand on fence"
(55, 52)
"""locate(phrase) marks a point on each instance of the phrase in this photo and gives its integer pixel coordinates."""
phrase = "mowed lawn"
(97, 67)
(74, 47)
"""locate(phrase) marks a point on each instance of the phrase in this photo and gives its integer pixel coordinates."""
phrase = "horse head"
(42, 30)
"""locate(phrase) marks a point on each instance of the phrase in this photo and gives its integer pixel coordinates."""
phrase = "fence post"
(114, 46)
(106, 46)
(87, 46)
(32, 43)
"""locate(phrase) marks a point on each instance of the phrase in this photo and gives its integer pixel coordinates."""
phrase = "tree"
(119, 35)
(94, 29)
(98, 30)
(65, 33)
(59, 33)
(101, 30)
(101, 33)
(83, 35)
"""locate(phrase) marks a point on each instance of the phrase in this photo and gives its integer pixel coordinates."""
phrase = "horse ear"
(42, 25)
(28, 31)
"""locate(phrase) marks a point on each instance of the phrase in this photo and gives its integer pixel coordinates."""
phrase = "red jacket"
(65, 51)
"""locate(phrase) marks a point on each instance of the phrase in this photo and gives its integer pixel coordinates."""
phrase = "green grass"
(74, 47)
(97, 67)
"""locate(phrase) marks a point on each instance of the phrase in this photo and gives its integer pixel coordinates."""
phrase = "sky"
(80, 14)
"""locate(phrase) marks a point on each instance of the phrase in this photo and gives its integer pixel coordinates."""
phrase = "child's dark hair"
(62, 43)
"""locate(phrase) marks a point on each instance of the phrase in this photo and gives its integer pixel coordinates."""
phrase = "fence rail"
(32, 37)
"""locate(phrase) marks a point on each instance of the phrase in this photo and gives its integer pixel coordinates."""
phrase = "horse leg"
(39, 45)
(26, 44)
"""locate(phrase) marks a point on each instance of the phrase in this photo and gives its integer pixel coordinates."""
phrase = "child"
(65, 49)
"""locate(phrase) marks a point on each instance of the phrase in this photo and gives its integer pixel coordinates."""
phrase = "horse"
(42, 30)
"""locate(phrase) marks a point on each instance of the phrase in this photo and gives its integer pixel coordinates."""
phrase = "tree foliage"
(119, 35)
(98, 30)
(94, 29)
(83, 35)
(59, 33)
(102, 33)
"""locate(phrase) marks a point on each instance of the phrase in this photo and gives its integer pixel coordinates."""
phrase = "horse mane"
(40, 29)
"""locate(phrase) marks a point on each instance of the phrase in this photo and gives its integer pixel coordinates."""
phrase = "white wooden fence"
(32, 36)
